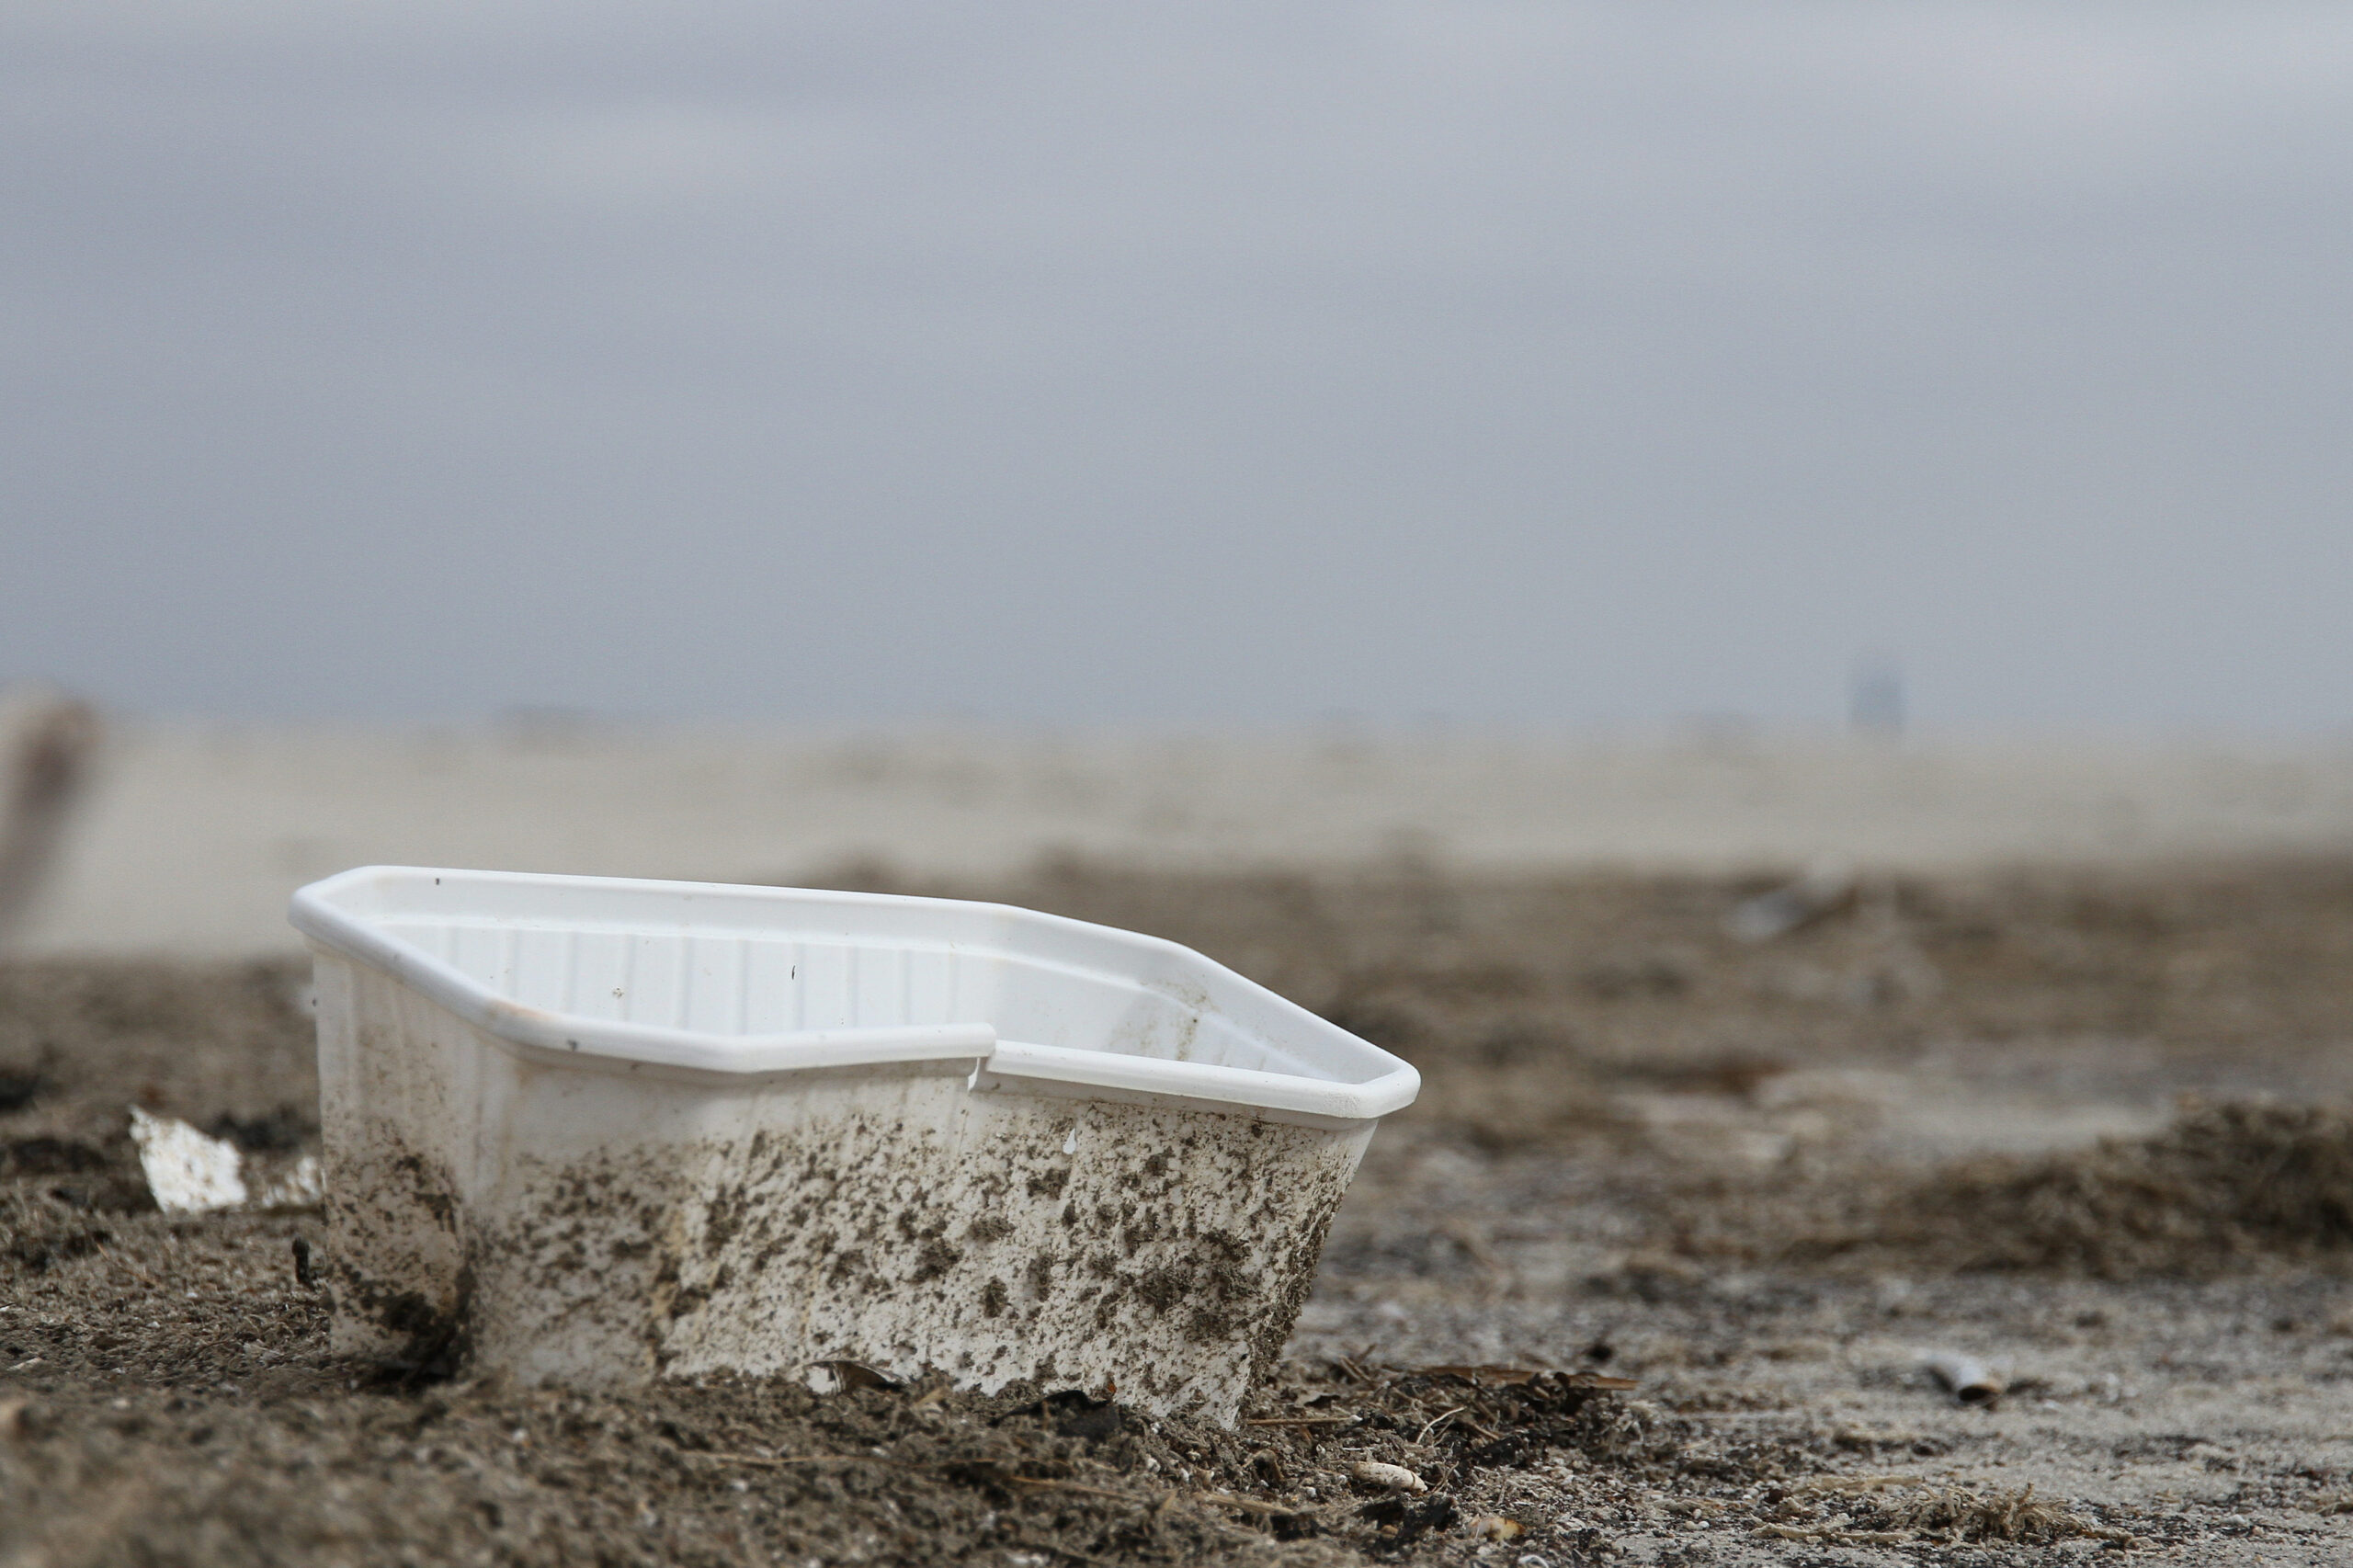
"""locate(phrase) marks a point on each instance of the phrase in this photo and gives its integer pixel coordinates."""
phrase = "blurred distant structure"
(49, 746)
(1875, 698)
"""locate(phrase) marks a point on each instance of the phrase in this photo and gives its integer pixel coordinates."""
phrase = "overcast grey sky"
(1553, 363)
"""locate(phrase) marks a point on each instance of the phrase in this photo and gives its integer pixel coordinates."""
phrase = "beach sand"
(193, 838)
(2060, 1085)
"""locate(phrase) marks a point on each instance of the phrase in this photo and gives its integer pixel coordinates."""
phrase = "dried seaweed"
(2224, 1183)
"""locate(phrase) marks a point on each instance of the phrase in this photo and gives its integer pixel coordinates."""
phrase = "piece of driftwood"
(50, 754)
(1968, 1380)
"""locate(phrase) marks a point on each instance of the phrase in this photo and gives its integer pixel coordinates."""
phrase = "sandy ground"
(1761, 1180)
(193, 838)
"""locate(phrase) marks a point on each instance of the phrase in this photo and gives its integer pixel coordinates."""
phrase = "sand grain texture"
(1761, 1181)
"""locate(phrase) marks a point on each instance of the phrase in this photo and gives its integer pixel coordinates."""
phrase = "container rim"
(335, 913)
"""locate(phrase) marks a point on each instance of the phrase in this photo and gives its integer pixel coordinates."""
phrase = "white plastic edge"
(535, 1027)
(1392, 1090)
(315, 915)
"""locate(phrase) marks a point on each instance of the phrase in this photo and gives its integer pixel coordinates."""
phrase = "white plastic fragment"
(1387, 1477)
(1826, 886)
(193, 1172)
(1968, 1380)
(188, 1172)
(302, 1187)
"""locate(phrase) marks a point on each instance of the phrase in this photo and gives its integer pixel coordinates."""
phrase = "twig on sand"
(1861, 1483)
(1247, 1504)
(1063, 1551)
(1835, 1535)
(784, 1461)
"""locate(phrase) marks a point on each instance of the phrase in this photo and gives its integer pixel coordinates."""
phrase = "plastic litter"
(1826, 886)
(188, 1172)
(598, 1132)
(1968, 1380)
(302, 1187)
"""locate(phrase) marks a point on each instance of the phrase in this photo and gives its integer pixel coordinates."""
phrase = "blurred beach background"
(719, 445)
(189, 838)
(1758, 588)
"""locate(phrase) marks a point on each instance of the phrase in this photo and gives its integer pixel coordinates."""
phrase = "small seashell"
(1387, 1477)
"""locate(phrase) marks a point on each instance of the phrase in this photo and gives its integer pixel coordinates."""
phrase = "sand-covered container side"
(592, 1133)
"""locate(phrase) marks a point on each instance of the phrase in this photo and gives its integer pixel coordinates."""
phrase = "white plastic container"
(594, 1132)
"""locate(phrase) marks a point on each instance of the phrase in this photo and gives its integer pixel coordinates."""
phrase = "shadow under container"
(592, 1131)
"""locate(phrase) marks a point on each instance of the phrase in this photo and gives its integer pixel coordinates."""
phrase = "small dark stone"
(18, 1090)
(1075, 1415)
(50, 1156)
(1403, 1520)
(281, 1131)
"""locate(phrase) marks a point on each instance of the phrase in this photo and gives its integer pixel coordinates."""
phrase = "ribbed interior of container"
(730, 982)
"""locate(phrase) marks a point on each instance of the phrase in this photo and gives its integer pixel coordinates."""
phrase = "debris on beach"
(2222, 1184)
(1775, 1314)
(1183, 1136)
(304, 1186)
(189, 1172)
(1386, 1477)
(1903, 1510)
(1824, 887)
(1968, 1380)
